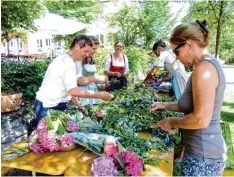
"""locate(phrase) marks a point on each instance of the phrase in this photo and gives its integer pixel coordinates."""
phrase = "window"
(47, 42)
(39, 43)
(59, 43)
(21, 45)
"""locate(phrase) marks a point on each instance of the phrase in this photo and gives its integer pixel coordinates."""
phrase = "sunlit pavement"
(229, 74)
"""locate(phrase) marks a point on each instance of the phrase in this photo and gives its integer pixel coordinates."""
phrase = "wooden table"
(52, 163)
(77, 162)
(82, 166)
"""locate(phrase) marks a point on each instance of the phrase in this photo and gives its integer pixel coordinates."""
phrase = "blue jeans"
(42, 112)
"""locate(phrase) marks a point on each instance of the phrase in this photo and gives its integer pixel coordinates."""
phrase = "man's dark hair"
(159, 43)
(82, 40)
(94, 39)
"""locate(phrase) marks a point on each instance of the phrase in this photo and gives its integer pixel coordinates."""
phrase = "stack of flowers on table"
(52, 132)
(117, 161)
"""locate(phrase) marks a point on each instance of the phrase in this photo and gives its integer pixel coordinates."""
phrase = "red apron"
(120, 69)
(122, 81)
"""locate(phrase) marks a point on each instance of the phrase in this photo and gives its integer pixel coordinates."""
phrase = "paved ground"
(229, 74)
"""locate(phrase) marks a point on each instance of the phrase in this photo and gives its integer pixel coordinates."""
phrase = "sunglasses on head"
(176, 50)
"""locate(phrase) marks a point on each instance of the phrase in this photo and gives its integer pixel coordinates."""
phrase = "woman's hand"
(157, 106)
(117, 74)
(166, 123)
(105, 96)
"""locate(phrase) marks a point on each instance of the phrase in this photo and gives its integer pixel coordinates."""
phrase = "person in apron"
(86, 74)
(116, 67)
(167, 61)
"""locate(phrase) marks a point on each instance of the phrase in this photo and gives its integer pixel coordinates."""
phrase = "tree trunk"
(7, 40)
(219, 28)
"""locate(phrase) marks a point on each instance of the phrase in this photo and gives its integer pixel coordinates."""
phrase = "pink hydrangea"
(49, 140)
(34, 143)
(104, 166)
(110, 148)
(37, 147)
(133, 165)
(72, 126)
(134, 169)
(42, 124)
(66, 140)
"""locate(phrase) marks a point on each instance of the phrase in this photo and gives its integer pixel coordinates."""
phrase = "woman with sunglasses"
(116, 67)
(167, 61)
(86, 78)
(205, 151)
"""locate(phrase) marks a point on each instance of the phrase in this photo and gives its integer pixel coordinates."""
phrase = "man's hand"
(75, 101)
(105, 96)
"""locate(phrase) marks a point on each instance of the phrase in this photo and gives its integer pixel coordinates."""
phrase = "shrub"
(25, 77)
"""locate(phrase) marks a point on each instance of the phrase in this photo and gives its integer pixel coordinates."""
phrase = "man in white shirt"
(60, 81)
(167, 60)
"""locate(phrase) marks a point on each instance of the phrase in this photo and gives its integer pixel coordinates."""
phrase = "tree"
(142, 26)
(219, 15)
(18, 16)
(156, 21)
(84, 11)
(125, 25)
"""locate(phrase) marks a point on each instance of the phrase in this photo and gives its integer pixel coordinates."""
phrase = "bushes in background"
(25, 77)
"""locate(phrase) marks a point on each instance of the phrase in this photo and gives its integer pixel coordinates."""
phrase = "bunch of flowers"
(72, 126)
(104, 166)
(126, 161)
(44, 139)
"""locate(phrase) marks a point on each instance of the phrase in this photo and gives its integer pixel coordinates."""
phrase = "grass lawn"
(227, 113)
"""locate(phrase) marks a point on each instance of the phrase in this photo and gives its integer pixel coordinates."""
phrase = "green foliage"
(20, 14)
(211, 12)
(128, 114)
(100, 56)
(136, 26)
(23, 77)
(84, 11)
(139, 59)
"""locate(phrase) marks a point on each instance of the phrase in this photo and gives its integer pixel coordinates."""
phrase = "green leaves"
(61, 129)
(120, 161)
(20, 14)
(149, 21)
(23, 77)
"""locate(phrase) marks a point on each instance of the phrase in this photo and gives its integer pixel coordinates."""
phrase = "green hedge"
(25, 77)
